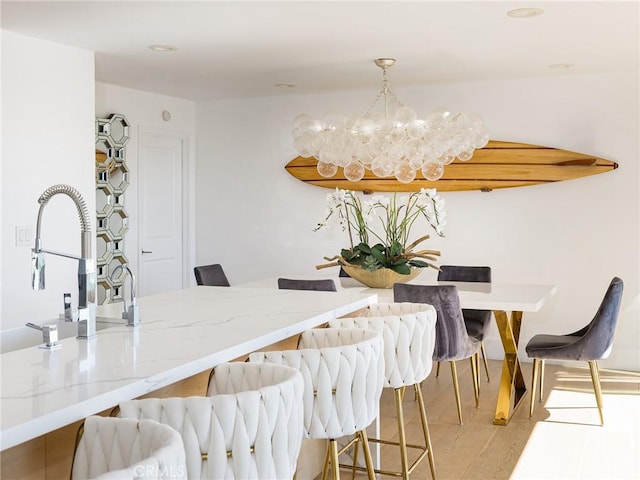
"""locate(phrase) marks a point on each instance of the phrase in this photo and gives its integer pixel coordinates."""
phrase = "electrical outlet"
(24, 235)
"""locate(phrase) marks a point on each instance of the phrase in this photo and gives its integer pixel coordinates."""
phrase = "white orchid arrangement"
(386, 222)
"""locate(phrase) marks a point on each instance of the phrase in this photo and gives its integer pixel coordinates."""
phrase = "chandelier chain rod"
(385, 90)
(387, 93)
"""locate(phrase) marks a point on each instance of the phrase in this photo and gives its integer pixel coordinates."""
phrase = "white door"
(160, 201)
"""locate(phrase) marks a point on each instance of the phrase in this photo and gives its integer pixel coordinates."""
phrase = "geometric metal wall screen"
(112, 180)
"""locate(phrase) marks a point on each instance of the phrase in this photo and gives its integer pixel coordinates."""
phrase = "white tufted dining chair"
(343, 373)
(117, 448)
(249, 427)
(408, 331)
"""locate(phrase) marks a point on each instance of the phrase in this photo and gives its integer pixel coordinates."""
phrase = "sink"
(25, 337)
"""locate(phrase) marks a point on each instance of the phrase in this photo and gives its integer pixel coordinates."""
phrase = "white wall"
(2, 229)
(144, 112)
(47, 138)
(49, 104)
(257, 220)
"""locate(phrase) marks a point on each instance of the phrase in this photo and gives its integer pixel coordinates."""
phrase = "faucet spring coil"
(81, 206)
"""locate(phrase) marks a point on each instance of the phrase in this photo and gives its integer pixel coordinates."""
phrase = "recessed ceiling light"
(525, 12)
(560, 66)
(285, 85)
(162, 48)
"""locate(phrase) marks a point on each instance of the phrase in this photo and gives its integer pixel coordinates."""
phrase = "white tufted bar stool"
(117, 448)
(408, 330)
(249, 427)
(343, 373)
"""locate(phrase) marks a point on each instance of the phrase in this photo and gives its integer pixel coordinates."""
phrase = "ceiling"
(243, 49)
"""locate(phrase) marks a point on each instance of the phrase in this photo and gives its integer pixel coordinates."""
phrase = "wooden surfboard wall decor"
(498, 165)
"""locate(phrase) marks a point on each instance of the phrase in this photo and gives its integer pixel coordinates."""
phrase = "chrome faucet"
(86, 314)
(131, 314)
(49, 335)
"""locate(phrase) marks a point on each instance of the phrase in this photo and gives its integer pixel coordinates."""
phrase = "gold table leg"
(512, 386)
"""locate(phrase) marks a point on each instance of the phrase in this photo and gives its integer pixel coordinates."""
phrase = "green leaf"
(402, 269)
(364, 248)
(347, 254)
(380, 247)
(418, 263)
(395, 249)
(399, 261)
(380, 256)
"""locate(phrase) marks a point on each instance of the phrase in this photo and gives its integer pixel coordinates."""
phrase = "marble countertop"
(181, 334)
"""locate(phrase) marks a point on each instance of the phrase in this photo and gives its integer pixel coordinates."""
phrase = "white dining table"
(507, 301)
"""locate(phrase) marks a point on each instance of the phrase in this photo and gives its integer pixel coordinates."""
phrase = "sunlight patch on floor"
(571, 436)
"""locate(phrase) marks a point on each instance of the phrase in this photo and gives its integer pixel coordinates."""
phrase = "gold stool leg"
(474, 373)
(355, 457)
(402, 444)
(534, 383)
(456, 390)
(437, 369)
(401, 433)
(325, 468)
(367, 455)
(597, 389)
(484, 359)
(425, 430)
(335, 464)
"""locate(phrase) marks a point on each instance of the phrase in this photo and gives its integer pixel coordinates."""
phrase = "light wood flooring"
(563, 440)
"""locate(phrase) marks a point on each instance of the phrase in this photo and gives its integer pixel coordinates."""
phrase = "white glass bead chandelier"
(389, 143)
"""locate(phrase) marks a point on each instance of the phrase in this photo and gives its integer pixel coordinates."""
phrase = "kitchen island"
(182, 334)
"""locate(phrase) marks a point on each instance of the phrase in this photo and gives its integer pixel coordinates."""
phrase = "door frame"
(188, 196)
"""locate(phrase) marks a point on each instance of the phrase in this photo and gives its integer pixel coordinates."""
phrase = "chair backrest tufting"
(452, 340)
(343, 370)
(250, 425)
(117, 448)
(408, 331)
(320, 285)
(211, 275)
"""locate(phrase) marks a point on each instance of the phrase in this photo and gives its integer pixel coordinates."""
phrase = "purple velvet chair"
(477, 322)
(323, 285)
(589, 344)
(452, 340)
(211, 276)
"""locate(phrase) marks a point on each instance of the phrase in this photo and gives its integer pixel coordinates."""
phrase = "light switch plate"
(24, 235)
